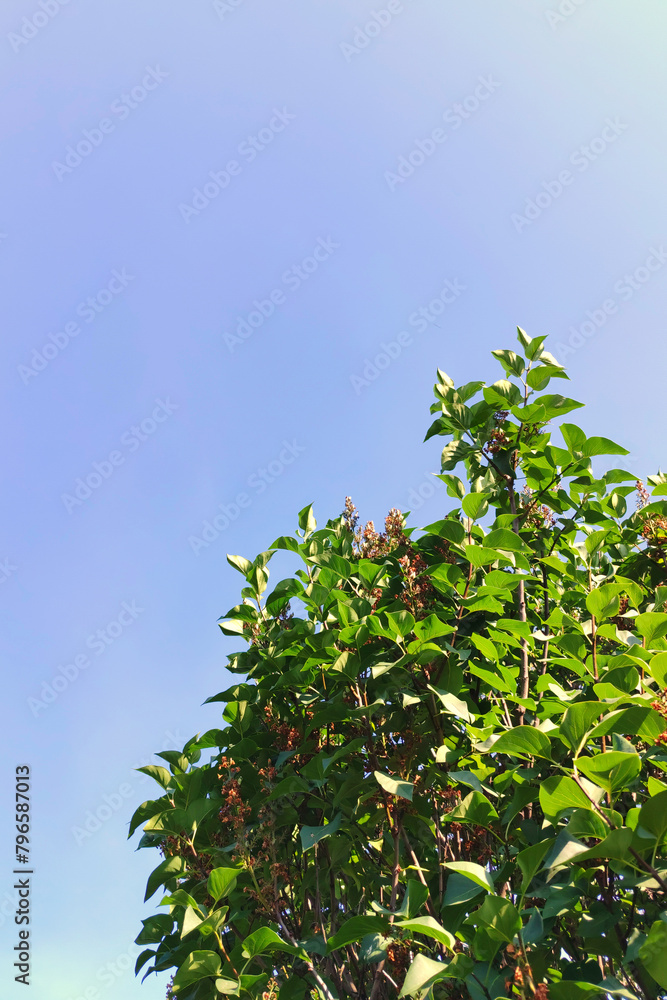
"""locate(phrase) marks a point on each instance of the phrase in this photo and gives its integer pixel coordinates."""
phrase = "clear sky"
(236, 239)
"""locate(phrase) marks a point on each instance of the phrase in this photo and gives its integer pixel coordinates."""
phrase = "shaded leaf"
(311, 835)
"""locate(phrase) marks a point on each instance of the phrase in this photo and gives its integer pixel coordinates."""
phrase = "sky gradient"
(236, 240)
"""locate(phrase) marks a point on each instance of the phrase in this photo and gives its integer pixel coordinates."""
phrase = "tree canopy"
(441, 771)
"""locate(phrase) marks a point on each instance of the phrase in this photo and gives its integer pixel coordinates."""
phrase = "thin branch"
(394, 890)
(524, 672)
(640, 860)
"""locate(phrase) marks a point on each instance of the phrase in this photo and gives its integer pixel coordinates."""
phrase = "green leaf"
(459, 416)
(179, 897)
(286, 542)
(460, 890)
(198, 965)
(602, 446)
(480, 555)
(221, 882)
(514, 627)
(658, 668)
(155, 928)
(423, 972)
(534, 929)
(653, 816)
(453, 705)
(228, 987)
(469, 779)
(213, 922)
(604, 602)
(166, 870)
(615, 846)
(259, 579)
(234, 626)
(414, 898)
(476, 873)
(475, 505)
(569, 990)
(653, 953)
(354, 929)
(526, 341)
(281, 594)
(395, 786)
(429, 927)
(577, 722)
(444, 379)
(556, 405)
(530, 860)
(502, 394)
(238, 562)
(611, 770)
(467, 391)
(524, 741)
(311, 835)
(501, 918)
(485, 646)
(638, 720)
(596, 540)
(263, 940)
(453, 453)
(146, 811)
(307, 521)
(439, 426)
(495, 678)
(431, 628)
(401, 623)
(532, 347)
(651, 625)
(192, 918)
(560, 792)
(624, 678)
(455, 487)
(474, 808)
(538, 378)
(448, 528)
(586, 823)
(503, 538)
(564, 850)
(511, 362)
(159, 774)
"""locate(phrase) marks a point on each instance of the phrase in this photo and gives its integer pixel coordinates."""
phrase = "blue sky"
(219, 224)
